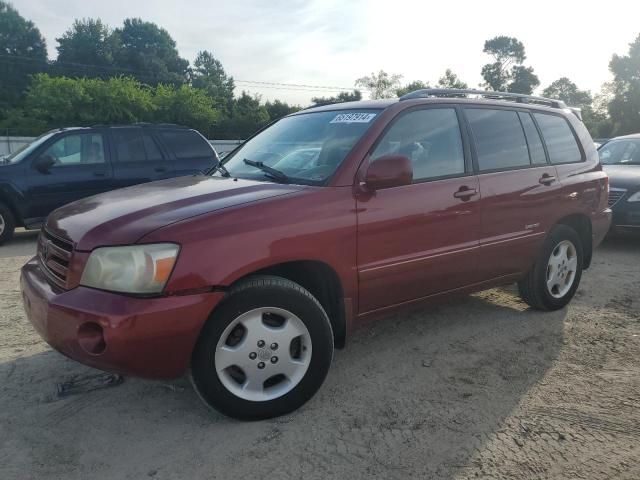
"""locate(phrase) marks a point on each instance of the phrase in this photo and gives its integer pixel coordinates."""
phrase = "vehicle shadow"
(625, 241)
(413, 395)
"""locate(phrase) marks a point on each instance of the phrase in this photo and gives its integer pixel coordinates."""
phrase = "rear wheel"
(264, 352)
(7, 224)
(555, 277)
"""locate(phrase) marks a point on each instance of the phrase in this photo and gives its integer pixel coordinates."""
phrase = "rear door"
(190, 152)
(420, 239)
(138, 157)
(81, 168)
(519, 188)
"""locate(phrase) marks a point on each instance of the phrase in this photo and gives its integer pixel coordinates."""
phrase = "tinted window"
(536, 150)
(430, 138)
(129, 145)
(187, 144)
(561, 144)
(622, 152)
(78, 149)
(150, 147)
(499, 138)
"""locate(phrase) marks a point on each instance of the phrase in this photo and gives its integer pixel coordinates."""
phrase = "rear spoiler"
(576, 111)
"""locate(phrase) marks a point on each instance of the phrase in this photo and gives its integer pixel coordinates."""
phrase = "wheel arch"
(322, 281)
(5, 200)
(581, 223)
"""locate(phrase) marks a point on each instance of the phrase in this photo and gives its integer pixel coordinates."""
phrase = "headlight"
(634, 198)
(132, 269)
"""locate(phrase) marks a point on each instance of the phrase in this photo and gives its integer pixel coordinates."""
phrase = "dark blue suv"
(71, 163)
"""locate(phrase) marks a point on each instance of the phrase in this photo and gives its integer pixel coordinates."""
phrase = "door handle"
(465, 193)
(547, 179)
(99, 174)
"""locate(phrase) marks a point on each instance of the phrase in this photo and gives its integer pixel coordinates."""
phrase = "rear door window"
(186, 144)
(536, 150)
(499, 139)
(561, 143)
(129, 145)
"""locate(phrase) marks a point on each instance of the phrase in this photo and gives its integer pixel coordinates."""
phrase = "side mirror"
(43, 164)
(389, 171)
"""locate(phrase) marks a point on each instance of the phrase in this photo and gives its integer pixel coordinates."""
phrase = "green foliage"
(353, 96)
(185, 105)
(209, 75)
(149, 53)
(87, 49)
(278, 109)
(506, 72)
(567, 91)
(247, 116)
(22, 52)
(451, 80)
(412, 87)
(380, 85)
(624, 107)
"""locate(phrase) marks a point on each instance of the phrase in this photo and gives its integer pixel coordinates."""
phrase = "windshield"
(25, 150)
(306, 148)
(620, 152)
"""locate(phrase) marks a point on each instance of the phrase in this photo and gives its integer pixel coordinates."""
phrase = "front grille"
(54, 254)
(615, 195)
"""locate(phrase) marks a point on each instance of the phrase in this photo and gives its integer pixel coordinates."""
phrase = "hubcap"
(561, 269)
(263, 354)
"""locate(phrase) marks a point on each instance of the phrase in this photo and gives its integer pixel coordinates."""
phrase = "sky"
(331, 43)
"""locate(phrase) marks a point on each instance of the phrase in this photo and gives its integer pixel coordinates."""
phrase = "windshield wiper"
(222, 169)
(272, 172)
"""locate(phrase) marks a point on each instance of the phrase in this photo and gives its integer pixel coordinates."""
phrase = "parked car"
(620, 158)
(68, 164)
(248, 278)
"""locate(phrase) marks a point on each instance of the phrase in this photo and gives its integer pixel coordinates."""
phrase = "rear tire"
(264, 352)
(555, 277)
(7, 223)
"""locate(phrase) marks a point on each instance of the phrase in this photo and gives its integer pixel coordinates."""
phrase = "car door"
(420, 239)
(80, 167)
(519, 188)
(191, 153)
(138, 158)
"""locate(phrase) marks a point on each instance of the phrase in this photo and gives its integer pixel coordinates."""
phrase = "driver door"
(80, 168)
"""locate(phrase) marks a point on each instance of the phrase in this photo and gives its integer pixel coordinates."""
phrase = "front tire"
(555, 277)
(7, 224)
(264, 352)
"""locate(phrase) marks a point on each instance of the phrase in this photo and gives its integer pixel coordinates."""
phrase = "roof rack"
(141, 124)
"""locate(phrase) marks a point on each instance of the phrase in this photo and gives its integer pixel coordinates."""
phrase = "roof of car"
(630, 136)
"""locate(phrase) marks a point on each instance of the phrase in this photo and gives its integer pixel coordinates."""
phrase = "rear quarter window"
(559, 138)
(186, 144)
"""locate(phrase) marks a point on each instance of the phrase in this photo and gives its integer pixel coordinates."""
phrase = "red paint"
(388, 247)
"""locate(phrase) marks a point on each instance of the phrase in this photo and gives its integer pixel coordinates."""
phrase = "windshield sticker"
(353, 118)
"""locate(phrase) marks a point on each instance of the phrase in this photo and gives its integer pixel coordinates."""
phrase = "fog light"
(91, 338)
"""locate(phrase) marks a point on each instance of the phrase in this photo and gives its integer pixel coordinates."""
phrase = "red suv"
(250, 276)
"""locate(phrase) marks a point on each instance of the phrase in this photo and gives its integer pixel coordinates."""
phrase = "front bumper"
(147, 337)
(626, 214)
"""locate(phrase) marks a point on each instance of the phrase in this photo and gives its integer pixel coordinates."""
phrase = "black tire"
(259, 292)
(533, 288)
(6, 219)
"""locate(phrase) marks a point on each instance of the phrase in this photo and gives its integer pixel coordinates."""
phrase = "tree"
(87, 49)
(353, 96)
(22, 52)
(567, 91)
(209, 75)
(451, 80)
(624, 107)
(506, 72)
(247, 116)
(149, 53)
(412, 87)
(380, 85)
(185, 105)
(278, 109)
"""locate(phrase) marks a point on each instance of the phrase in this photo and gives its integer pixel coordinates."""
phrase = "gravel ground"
(478, 388)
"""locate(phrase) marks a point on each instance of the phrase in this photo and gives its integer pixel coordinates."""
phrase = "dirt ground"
(478, 388)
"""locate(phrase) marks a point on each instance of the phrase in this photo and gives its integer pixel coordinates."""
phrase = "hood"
(124, 216)
(623, 176)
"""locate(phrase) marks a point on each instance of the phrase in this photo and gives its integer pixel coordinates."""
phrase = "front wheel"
(264, 352)
(555, 277)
